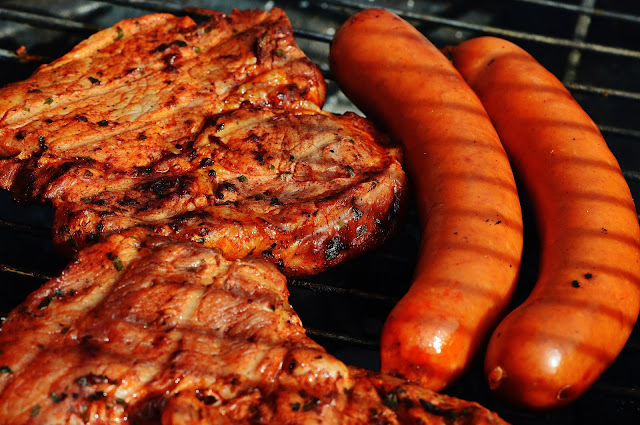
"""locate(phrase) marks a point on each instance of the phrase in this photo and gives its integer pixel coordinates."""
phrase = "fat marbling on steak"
(211, 132)
(151, 330)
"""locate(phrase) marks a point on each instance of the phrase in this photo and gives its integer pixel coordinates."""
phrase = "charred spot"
(91, 379)
(48, 121)
(260, 49)
(192, 214)
(130, 71)
(292, 365)
(98, 395)
(20, 135)
(432, 408)
(268, 253)
(170, 58)
(45, 302)
(310, 404)
(142, 136)
(179, 43)
(225, 186)
(170, 69)
(205, 162)
(143, 171)
(81, 118)
(165, 186)
(205, 398)
(93, 201)
(94, 236)
(357, 213)
(160, 48)
(127, 201)
(193, 154)
(334, 247)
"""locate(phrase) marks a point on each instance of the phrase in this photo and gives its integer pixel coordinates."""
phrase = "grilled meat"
(211, 132)
(151, 330)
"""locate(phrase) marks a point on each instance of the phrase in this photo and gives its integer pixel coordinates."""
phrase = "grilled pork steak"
(211, 132)
(151, 330)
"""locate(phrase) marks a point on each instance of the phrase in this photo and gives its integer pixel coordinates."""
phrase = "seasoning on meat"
(173, 126)
(183, 336)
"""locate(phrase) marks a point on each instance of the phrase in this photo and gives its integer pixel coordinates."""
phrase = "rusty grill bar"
(344, 308)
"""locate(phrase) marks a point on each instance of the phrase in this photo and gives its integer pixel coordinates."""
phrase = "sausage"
(467, 201)
(586, 299)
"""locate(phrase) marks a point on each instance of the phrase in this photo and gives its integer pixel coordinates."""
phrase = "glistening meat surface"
(211, 132)
(150, 330)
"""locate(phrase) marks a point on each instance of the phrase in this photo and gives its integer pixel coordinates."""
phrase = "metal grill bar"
(43, 21)
(579, 34)
(502, 32)
(313, 332)
(585, 10)
(320, 287)
(24, 272)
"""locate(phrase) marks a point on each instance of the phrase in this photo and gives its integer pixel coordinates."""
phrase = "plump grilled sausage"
(550, 349)
(469, 208)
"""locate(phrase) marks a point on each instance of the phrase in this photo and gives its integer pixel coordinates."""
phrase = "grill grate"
(592, 46)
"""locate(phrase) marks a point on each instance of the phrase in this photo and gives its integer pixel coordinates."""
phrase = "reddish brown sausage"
(467, 199)
(586, 300)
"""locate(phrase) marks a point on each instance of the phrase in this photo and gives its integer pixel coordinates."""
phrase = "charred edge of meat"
(340, 245)
(32, 180)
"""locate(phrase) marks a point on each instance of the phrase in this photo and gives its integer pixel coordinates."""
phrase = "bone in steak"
(211, 132)
(151, 330)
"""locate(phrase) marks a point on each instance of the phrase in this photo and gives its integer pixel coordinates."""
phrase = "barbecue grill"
(591, 46)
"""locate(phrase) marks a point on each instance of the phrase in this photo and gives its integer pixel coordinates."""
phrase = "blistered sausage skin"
(466, 195)
(583, 307)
